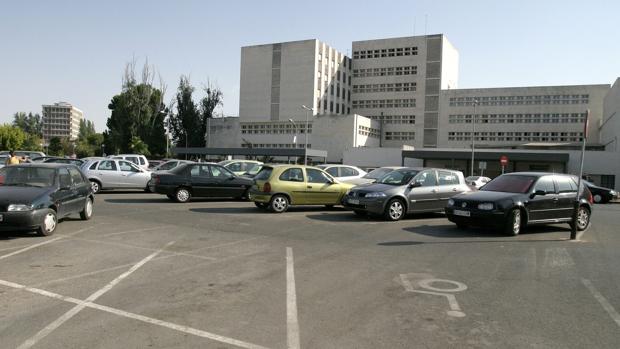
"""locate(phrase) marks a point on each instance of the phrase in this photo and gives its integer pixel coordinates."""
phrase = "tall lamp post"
(473, 137)
(295, 135)
(308, 110)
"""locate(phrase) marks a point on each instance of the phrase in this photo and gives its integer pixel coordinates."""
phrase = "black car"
(76, 162)
(601, 195)
(514, 200)
(35, 196)
(199, 180)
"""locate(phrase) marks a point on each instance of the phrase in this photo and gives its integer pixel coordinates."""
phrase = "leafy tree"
(11, 137)
(208, 103)
(139, 147)
(55, 147)
(33, 142)
(87, 128)
(137, 111)
(29, 123)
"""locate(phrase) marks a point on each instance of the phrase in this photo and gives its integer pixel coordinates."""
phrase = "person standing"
(12, 159)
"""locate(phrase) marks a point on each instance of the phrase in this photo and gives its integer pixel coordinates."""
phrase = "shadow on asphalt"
(349, 216)
(156, 199)
(18, 235)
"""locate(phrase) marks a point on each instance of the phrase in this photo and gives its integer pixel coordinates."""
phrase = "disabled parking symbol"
(430, 285)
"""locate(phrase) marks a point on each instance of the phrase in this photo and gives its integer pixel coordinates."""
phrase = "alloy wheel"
(396, 210)
(49, 222)
(583, 218)
(516, 222)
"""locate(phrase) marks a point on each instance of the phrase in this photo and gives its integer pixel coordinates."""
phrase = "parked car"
(3, 160)
(279, 186)
(155, 163)
(375, 175)
(55, 160)
(116, 174)
(137, 159)
(406, 190)
(601, 195)
(477, 181)
(169, 165)
(343, 173)
(199, 180)
(512, 201)
(253, 172)
(35, 196)
(240, 167)
(25, 153)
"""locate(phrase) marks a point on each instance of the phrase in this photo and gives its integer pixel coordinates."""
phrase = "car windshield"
(398, 177)
(510, 184)
(378, 173)
(27, 176)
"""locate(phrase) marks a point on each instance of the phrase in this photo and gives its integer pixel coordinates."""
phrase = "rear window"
(510, 184)
(264, 174)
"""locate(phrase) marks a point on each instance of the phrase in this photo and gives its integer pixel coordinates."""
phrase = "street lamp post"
(295, 136)
(308, 110)
(473, 137)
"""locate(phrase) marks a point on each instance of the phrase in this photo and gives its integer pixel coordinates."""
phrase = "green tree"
(29, 123)
(11, 137)
(184, 124)
(138, 111)
(87, 128)
(55, 147)
(208, 103)
(33, 142)
(139, 147)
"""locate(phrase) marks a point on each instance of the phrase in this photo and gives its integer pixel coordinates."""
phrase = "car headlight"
(613, 193)
(450, 202)
(19, 208)
(376, 194)
(485, 206)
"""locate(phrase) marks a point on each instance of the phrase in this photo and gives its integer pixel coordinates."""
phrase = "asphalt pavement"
(149, 273)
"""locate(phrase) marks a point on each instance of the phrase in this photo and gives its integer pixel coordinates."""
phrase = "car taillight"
(267, 188)
(590, 197)
(156, 179)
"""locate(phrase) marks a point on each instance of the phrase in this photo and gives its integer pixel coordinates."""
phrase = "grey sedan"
(116, 174)
(406, 190)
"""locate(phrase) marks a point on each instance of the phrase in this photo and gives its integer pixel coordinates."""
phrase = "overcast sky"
(75, 51)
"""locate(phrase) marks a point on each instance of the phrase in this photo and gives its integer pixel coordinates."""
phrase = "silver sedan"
(116, 174)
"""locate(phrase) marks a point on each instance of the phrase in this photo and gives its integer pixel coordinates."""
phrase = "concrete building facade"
(398, 81)
(609, 128)
(61, 120)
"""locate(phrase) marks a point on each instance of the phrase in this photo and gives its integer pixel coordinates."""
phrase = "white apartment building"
(399, 80)
(61, 120)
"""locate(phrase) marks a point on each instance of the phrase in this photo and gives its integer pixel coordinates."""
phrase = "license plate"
(462, 213)
(353, 201)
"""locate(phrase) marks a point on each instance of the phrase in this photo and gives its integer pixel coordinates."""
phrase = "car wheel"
(394, 210)
(147, 189)
(583, 218)
(95, 185)
(279, 203)
(182, 195)
(360, 213)
(513, 225)
(48, 226)
(260, 204)
(598, 198)
(87, 212)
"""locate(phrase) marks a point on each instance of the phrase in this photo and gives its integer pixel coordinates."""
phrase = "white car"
(343, 173)
(116, 174)
(477, 181)
(137, 159)
(239, 167)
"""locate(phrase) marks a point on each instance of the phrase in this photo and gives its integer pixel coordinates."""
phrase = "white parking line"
(79, 307)
(603, 301)
(292, 322)
(126, 314)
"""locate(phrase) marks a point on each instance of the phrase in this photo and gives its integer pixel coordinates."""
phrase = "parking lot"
(147, 272)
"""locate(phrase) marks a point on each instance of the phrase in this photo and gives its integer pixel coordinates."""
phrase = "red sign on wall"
(503, 160)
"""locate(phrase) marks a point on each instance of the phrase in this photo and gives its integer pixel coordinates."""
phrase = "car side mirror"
(415, 184)
(539, 193)
(65, 188)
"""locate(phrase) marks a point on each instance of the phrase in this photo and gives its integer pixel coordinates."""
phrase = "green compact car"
(279, 186)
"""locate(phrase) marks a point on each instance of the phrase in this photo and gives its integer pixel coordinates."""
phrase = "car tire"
(597, 198)
(278, 204)
(394, 210)
(261, 205)
(95, 185)
(49, 224)
(147, 189)
(87, 212)
(583, 218)
(514, 222)
(182, 195)
(360, 213)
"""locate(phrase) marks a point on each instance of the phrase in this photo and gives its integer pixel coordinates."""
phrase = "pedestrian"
(12, 159)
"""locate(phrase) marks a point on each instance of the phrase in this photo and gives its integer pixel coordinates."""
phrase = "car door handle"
(555, 199)
(434, 191)
(454, 189)
(309, 187)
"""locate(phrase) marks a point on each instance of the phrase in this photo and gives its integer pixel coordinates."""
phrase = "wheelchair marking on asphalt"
(427, 284)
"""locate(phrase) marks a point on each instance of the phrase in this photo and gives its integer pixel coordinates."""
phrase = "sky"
(76, 51)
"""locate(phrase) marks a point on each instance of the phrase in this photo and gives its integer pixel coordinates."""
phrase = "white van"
(137, 159)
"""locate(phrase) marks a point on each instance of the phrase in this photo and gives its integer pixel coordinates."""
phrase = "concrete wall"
(340, 133)
(224, 133)
(449, 66)
(377, 157)
(255, 82)
(609, 128)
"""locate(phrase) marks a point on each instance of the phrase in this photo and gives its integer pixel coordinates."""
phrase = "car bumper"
(16, 221)
(162, 189)
(259, 196)
(479, 218)
(373, 205)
